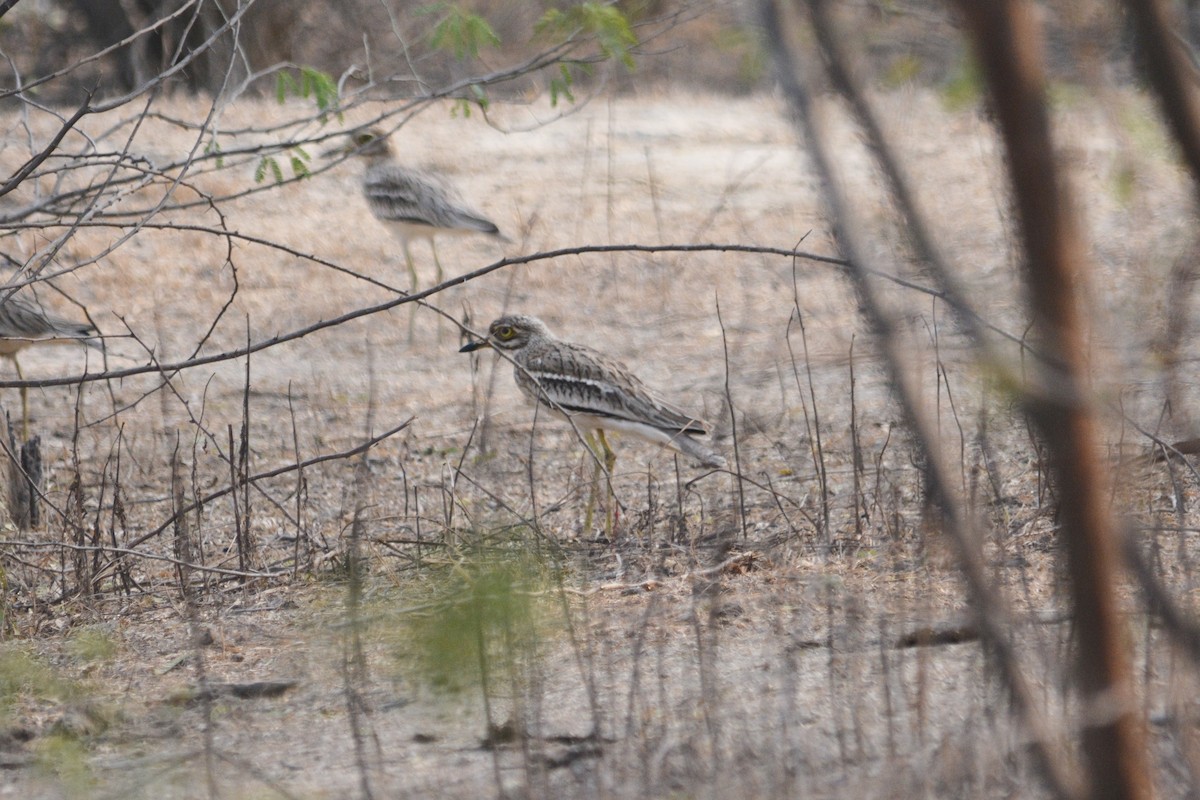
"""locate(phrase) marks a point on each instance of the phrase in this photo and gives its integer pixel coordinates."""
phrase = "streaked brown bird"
(24, 323)
(595, 392)
(412, 203)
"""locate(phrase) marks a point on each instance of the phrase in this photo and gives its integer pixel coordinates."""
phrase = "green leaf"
(551, 24)
(265, 164)
(480, 95)
(214, 146)
(612, 30)
(562, 85)
(606, 23)
(314, 83)
(299, 168)
(479, 98)
(460, 32)
(321, 86)
(284, 85)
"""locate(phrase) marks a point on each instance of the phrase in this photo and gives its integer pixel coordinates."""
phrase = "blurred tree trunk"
(263, 37)
(1008, 42)
(1192, 16)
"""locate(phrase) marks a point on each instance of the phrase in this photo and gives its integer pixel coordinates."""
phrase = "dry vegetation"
(794, 626)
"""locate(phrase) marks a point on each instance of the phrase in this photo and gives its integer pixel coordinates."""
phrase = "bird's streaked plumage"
(23, 323)
(420, 204)
(412, 203)
(596, 392)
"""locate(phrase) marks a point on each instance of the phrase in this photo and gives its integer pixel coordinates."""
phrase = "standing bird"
(411, 203)
(593, 391)
(23, 323)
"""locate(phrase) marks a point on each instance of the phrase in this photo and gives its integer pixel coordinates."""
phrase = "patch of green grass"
(65, 758)
(61, 753)
(1144, 128)
(964, 88)
(90, 645)
(746, 45)
(902, 71)
(1124, 181)
(23, 675)
(480, 619)
(1063, 95)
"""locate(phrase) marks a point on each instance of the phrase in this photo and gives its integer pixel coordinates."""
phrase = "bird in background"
(412, 203)
(593, 391)
(24, 323)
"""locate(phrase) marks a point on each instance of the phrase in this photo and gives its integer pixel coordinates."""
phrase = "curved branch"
(37, 160)
(416, 297)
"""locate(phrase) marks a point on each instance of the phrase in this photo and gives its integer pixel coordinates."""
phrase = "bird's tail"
(690, 447)
(81, 332)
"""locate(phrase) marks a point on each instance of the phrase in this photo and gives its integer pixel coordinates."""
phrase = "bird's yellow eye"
(505, 333)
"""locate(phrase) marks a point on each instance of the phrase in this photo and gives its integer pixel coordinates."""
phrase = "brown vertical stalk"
(183, 541)
(1173, 79)
(1006, 38)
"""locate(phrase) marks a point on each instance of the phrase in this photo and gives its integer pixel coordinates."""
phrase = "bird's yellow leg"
(412, 267)
(610, 462)
(591, 501)
(610, 458)
(441, 275)
(412, 273)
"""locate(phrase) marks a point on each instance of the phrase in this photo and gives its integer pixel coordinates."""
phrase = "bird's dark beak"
(473, 346)
(338, 150)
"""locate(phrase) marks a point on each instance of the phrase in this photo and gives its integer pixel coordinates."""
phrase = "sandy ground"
(636, 667)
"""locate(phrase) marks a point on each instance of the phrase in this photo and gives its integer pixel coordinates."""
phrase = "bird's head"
(510, 332)
(371, 143)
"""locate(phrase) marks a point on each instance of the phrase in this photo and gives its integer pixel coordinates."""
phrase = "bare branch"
(273, 473)
(415, 297)
(33, 163)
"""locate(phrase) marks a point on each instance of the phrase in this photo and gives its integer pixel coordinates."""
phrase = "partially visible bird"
(23, 323)
(413, 204)
(595, 392)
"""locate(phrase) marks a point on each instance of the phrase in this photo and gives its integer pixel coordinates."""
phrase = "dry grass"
(777, 675)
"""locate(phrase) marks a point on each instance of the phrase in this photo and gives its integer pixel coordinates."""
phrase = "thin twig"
(273, 473)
